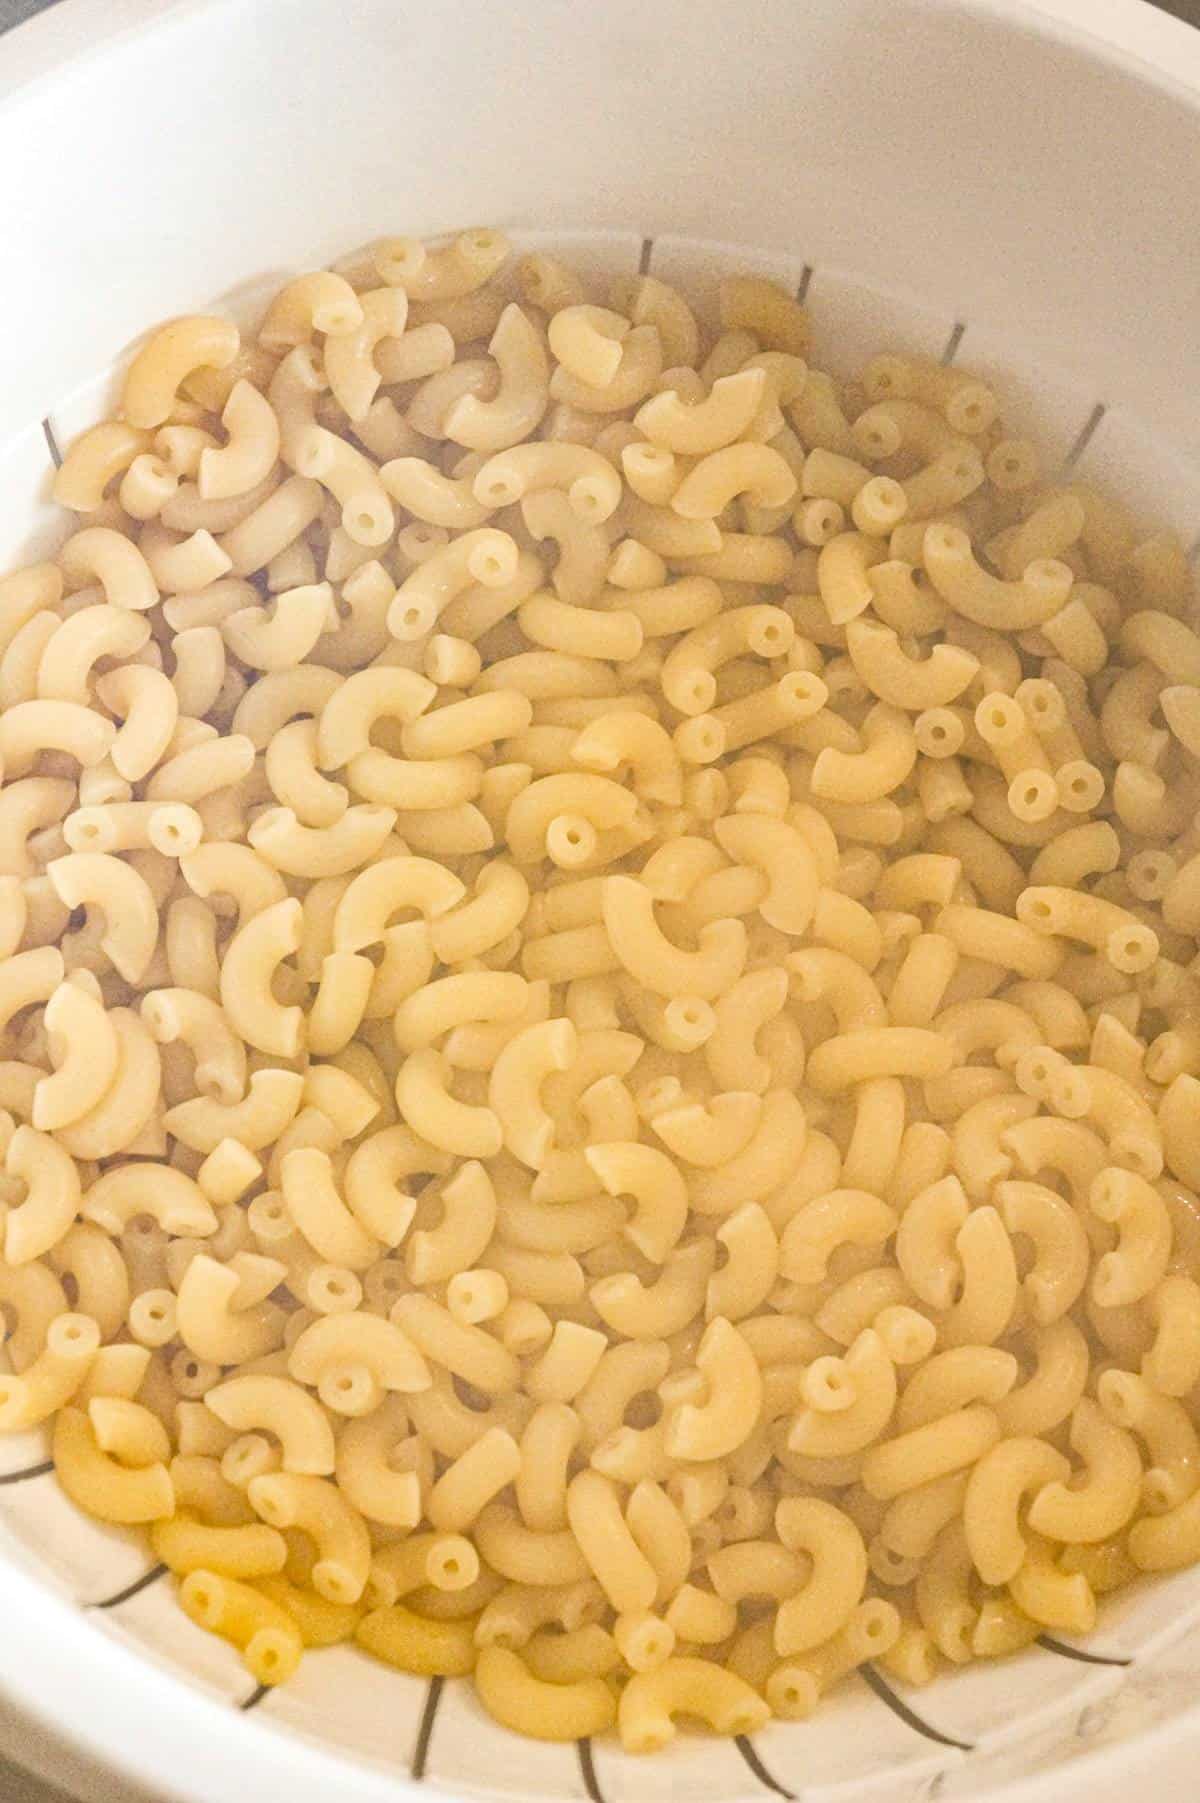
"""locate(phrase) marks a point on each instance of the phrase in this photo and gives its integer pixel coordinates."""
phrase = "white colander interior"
(973, 1730)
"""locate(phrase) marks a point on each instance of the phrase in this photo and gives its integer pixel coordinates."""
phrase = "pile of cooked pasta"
(601, 1068)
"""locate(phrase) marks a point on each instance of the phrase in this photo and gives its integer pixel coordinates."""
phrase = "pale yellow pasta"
(212, 1326)
(530, 1705)
(600, 1062)
(174, 352)
(290, 1500)
(523, 394)
(104, 1484)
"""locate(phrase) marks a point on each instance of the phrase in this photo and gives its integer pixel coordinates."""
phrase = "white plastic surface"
(922, 165)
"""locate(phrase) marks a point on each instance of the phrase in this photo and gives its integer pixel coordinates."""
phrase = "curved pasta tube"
(210, 1323)
(101, 1279)
(826, 1435)
(312, 852)
(94, 459)
(996, 1489)
(37, 1224)
(685, 1685)
(280, 637)
(514, 1089)
(66, 665)
(698, 428)
(639, 368)
(245, 1550)
(318, 302)
(751, 1266)
(35, 1297)
(247, 972)
(1139, 1262)
(99, 880)
(633, 739)
(689, 671)
(529, 823)
(517, 1699)
(985, 599)
(756, 471)
(311, 1198)
(172, 1198)
(288, 1499)
(904, 681)
(414, 1643)
(233, 870)
(602, 1534)
(523, 394)
(990, 1284)
(949, 1381)
(922, 1455)
(256, 1122)
(425, 1101)
(383, 889)
(716, 1427)
(850, 1058)
(266, 1633)
(449, 1002)
(1061, 1250)
(831, 976)
(1179, 1118)
(101, 554)
(483, 556)
(838, 1575)
(586, 341)
(649, 956)
(766, 1161)
(579, 630)
(369, 1455)
(52, 1375)
(841, 1217)
(184, 1015)
(255, 1401)
(1172, 1362)
(131, 1099)
(473, 927)
(786, 859)
(335, 1345)
(468, 1352)
(371, 1180)
(174, 352)
(324, 457)
(26, 805)
(644, 1311)
(252, 448)
(468, 1222)
(350, 357)
(658, 1189)
(102, 1486)
(31, 976)
(86, 1057)
(886, 760)
(1109, 1496)
(1060, 1373)
(352, 711)
(710, 1135)
(592, 485)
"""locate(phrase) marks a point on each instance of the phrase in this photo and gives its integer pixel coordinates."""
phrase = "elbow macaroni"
(613, 1075)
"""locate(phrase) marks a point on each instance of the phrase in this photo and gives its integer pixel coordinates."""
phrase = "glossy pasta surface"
(600, 1083)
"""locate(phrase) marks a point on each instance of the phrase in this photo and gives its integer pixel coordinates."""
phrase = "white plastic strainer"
(964, 177)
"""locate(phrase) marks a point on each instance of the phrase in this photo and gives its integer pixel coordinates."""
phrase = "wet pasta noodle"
(600, 1081)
